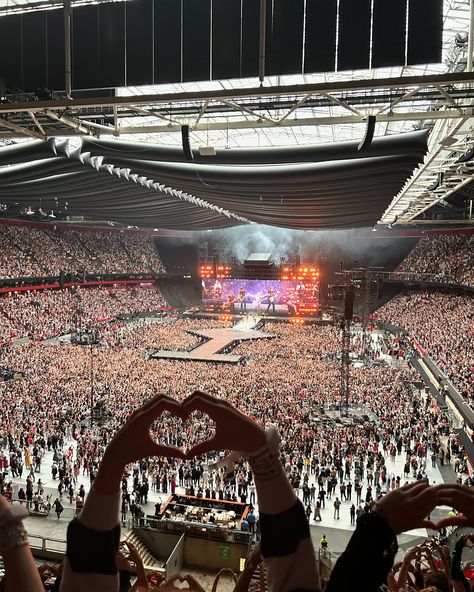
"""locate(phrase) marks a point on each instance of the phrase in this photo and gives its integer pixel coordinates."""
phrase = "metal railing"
(47, 544)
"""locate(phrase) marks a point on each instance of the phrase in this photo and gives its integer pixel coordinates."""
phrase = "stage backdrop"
(256, 295)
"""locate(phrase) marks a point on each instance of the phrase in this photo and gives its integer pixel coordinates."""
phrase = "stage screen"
(284, 296)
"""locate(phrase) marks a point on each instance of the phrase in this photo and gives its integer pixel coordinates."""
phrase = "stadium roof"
(292, 110)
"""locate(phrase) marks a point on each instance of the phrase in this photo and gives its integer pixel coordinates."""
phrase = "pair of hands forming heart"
(233, 430)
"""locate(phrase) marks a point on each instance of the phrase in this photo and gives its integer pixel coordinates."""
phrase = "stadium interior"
(237, 295)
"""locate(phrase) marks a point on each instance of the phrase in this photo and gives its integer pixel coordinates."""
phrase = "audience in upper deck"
(30, 252)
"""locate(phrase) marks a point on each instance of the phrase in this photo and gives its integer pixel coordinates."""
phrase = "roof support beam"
(235, 93)
(309, 121)
(343, 104)
(37, 123)
(23, 131)
(75, 124)
(225, 125)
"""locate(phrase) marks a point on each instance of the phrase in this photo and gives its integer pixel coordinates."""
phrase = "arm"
(93, 537)
(286, 543)
(459, 581)
(370, 553)
(243, 583)
(20, 568)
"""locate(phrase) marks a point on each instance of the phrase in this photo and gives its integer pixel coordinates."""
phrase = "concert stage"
(217, 341)
(277, 318)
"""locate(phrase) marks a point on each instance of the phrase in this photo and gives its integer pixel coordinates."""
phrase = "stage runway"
(216, 341)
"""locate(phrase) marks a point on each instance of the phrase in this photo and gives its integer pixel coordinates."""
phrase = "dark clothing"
(368, 557)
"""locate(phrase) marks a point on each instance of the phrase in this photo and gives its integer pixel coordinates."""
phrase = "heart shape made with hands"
(185, 432)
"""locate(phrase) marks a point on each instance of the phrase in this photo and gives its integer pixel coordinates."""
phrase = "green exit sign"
(224, 551)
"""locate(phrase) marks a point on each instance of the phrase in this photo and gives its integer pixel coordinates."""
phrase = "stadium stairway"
(259, 576)
(28, 254)
(150, 563)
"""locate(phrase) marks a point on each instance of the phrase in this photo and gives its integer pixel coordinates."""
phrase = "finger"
(163, 450)
(204, 403)
(419, 488)
(202, 448)
(424, 503)
(428, 524)
(456, 486)
(421, 484)
(459, 499)
(153, 401)
(142, 411)
(159, 404)
(459, 520)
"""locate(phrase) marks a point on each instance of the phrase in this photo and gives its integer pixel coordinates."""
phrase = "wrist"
(379, 511)
(264, 460)
(109, 476)
(13, 536)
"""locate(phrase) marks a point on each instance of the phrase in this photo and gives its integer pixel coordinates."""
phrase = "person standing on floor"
(337, 506)
(353, 514)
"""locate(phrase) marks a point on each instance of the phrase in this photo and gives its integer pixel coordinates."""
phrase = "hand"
(406, 508)
(460, 497)
(134, 442)
(234, 430)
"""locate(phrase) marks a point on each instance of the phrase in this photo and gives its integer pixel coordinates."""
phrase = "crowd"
(443, 324)
(45, 314)
(52, 401)
(31, 252)
(448, 257)
(285, 383)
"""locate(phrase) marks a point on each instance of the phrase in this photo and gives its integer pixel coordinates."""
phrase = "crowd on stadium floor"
(45, 314)
(52, 402)
(31, 252)
(450, 257)
(443, 324)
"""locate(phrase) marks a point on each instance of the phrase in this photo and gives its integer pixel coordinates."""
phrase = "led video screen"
(286, 296)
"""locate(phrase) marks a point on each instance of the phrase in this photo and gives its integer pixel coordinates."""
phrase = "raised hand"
(134, 442)
(234, 430)
(460, 497)
(407, 507)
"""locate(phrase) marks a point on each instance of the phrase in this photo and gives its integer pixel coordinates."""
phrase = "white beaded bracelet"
(12, 531)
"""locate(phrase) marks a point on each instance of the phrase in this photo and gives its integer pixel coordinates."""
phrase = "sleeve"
(92, 544)
(368, 557)
(286, 544)
(456, 571)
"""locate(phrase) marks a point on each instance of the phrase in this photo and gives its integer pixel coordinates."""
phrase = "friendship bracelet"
(12, 531)
(262, 460)
(12, 536)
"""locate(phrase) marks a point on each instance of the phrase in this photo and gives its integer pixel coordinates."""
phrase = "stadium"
(236, 295)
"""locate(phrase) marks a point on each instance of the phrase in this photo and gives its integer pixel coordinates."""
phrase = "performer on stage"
(258, 301)
(271, 299)
(231, 302)
(241, 298)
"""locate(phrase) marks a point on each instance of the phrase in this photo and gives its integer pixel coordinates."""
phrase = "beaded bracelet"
(12, 531)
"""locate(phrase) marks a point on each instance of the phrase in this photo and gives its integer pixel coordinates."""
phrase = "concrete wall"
(213, 554)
